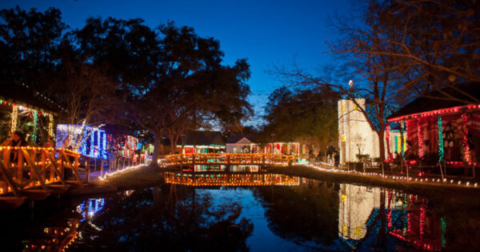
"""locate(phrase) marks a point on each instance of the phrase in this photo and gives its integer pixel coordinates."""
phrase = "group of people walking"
(332, 156)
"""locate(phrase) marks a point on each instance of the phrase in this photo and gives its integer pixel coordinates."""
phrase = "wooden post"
(34, 172)
(19, 166)
(441, 170)
(88, 171)
(101, 168)
(6, 175)
(44, 165)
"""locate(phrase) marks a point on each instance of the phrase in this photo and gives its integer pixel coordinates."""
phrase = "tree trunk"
(381, 142)
(173, 142)
(156, 148)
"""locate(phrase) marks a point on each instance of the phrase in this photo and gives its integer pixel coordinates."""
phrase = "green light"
(444, 229)
(440, 140)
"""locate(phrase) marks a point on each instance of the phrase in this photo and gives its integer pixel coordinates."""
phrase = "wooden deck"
(35, 172)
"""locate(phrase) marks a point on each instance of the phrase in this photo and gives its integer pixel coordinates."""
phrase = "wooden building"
(201, 142)
(437, 130)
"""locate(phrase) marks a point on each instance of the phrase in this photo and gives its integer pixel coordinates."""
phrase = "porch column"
(420, 138)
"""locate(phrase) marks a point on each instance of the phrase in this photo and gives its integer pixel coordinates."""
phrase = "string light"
(440, 140)
(50, 125)
(437, 112)
(420, 138)
(14, 118)
(466, 147)
(35, 122)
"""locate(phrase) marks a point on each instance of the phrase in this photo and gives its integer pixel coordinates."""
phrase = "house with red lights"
(440, 130)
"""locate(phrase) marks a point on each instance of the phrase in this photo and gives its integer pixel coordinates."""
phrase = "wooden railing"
(25, 168)
(230, 159)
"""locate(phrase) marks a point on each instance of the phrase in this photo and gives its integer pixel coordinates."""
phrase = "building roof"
(424, 104)
(236, 138)
(118, 129)
(202, 138)
(22, 95)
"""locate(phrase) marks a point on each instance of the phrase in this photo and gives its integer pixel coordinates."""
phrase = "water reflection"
(364, 210)
(224, 168)
(53, 238)
(241, 211)
(171, 218)
(229, 179)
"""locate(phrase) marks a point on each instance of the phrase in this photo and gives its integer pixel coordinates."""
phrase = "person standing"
(336, 157)
(17, 139)
(50, 142)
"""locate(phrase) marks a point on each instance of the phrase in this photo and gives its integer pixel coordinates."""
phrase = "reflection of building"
(411, 221)
(201, 142)
(356, 206)
(230, 179)
(55, 238)
(93, 140)
(232, 168)
(90, 207)
(406, 217)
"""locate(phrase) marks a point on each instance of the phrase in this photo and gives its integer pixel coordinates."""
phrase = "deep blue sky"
(268, 33)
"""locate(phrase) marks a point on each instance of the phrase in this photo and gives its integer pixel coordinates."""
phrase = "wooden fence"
(26, 168)
(229, 159)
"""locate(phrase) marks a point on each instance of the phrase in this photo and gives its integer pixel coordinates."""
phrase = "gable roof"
(424, 104)
(20, 94)
(202, 138)
(236, 138)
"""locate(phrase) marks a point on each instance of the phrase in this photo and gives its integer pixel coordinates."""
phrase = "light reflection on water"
(279, 213)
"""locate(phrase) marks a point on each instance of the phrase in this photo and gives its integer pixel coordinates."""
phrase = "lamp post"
(273, 142)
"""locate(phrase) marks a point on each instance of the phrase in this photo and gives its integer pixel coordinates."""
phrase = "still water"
(245, 210)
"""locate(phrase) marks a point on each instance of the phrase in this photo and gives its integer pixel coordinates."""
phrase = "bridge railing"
(230, 158)
(23, 168)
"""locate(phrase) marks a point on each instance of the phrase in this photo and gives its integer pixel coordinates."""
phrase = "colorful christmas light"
(35, 122)
(466, 147)
(420, 138)
(14, 118)
(440, 140)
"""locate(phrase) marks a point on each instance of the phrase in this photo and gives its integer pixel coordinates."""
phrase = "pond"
(244, 210)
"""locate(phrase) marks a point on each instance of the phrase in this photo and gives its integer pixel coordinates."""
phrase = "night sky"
(268, 33)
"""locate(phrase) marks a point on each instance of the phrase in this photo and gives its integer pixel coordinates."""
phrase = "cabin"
(243, 143)
(28, 111)
(93, 142)
(442, 130)
(201, 142)
(121, 141)
(283, 148)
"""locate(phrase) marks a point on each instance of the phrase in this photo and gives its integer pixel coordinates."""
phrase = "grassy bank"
(142, 177)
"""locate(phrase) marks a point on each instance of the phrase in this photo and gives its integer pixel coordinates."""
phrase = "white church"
(356, 136)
